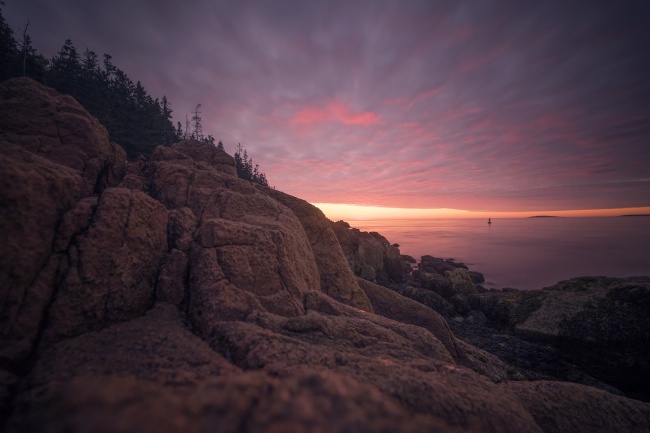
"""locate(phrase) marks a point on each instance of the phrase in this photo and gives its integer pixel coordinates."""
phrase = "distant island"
(544, 216)
(637, 215)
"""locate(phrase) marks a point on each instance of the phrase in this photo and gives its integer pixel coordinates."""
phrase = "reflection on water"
(528, 253)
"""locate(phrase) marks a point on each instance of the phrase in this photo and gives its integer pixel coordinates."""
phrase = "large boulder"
(336, 278)
(394, 306)
(57, 127)
(369, 254)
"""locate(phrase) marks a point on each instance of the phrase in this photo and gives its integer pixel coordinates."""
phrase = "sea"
(527, 253)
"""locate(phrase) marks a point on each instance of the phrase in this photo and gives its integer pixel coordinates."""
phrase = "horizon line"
(349, 212)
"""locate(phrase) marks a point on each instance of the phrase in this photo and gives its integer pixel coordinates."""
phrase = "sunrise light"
(349, 212)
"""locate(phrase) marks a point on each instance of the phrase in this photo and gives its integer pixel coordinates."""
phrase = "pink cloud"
(334, 112)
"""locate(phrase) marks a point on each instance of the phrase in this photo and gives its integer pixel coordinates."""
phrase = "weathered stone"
(57, 127)
(477, 277)
(397, 307)
(34, 196)
(336, 278)
(182, 225)
(205, 152)
(461, 281)
(435, 282)
(431, 299)
(109, 272)
(435, 265)
(367, 272)
(94, 382)
(364, 250)
(196, 301)
(171, 286)
(561, 407)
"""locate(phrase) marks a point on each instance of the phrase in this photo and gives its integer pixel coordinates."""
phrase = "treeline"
(246, 169)
(132, 117)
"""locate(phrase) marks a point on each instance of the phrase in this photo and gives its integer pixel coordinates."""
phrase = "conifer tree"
(132, 117)
(245, 168)
(26, 47)
(198, 130)
(64, 70)
(8, 49)
(167, 125)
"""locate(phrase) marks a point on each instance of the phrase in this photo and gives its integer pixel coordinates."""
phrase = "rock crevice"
(165, 294)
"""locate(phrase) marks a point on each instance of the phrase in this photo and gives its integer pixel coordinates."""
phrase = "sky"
(453, 108)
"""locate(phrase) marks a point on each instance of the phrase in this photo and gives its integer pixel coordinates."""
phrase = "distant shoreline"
(637, 215)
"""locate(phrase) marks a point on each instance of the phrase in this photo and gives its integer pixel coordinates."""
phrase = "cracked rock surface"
(165, 295)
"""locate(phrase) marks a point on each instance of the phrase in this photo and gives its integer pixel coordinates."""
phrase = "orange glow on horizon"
(348, 212)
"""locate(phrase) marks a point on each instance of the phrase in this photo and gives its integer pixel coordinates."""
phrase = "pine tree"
(8, 49)
(209, 139)
(30, 63)
(91, 95)
(26, 46)
(64, 70)
(245, 168)
(132, 117)
(198, 130)
(167, 125)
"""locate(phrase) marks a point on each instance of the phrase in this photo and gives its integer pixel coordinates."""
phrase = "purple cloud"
(484, 105)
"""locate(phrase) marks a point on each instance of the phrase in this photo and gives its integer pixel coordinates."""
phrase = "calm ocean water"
(527, 253)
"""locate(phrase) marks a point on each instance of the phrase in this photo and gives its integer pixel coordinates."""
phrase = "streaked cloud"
(478, 105)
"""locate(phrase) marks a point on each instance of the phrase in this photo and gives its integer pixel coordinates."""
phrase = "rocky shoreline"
(166, 294)
(587, 330)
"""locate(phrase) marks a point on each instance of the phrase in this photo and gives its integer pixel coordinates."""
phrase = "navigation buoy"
(489, 220)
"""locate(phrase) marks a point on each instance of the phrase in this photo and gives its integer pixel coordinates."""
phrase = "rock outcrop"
(165, 294)
(589, 330)
(369, 254)
(600, 324)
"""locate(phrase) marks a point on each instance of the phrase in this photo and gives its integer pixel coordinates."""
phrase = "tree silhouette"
(26, 47)
(167, 122)
(65, 68)
(245, 168)
(134, 119)
(198, 130)
(8, 49)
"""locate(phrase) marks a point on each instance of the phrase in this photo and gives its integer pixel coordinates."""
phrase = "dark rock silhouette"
(600, 324)
(166, 295)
